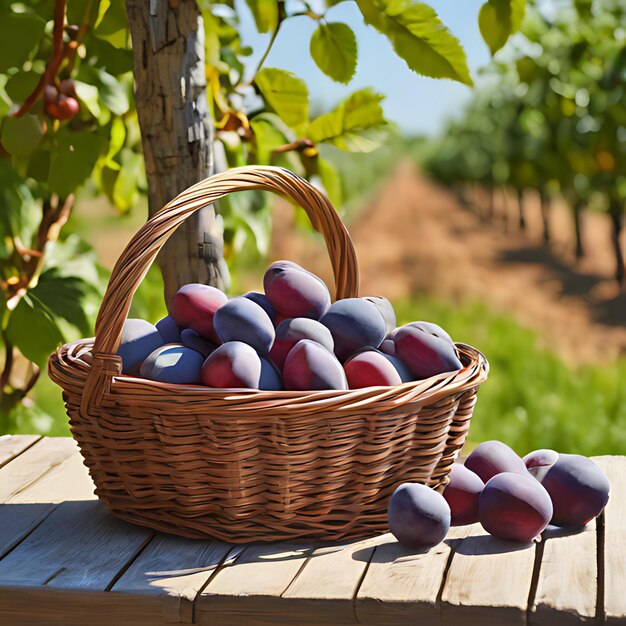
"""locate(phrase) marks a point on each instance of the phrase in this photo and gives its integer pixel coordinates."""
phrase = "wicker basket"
(247, 465)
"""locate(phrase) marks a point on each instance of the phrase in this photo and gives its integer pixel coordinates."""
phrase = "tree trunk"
(504, 197)
(176, 131)
(545, 206)
(491, 207)
(521, 208)
(616, 213)
(578, 209)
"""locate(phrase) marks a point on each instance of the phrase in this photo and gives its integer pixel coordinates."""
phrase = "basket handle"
(143, 248)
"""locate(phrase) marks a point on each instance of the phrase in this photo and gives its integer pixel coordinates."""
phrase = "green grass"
(533, 399)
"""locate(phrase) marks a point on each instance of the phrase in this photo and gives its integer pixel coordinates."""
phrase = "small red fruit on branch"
(61, 103)
(59, 106)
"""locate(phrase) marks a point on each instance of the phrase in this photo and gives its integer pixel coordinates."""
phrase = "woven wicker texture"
(247, 465)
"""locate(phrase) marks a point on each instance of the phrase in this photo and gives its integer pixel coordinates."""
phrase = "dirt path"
(415, 236)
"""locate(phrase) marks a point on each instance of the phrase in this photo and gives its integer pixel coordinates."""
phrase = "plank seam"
(300, 569)
(29, 533)
(54, 575)
(444, 577)
(7, 461)
(600, 616)
(208, 581)
(534, 580)
(128, 563)
(359, 585)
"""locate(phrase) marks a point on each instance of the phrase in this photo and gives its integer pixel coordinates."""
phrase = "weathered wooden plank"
(614, 557)
(324, 590)
(32, 501)
(17, 520)
(63, 482)
(488, 581)
(78, 546)
(13, 445)
(248, 590)
(567, 584)
(402, 586)
(175, 568)
(34, 463)
(44, 606)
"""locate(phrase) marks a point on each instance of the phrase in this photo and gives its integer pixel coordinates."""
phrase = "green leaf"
(286, 94)
(419, 37)
(73, 160)
(20, 34)
(125, 189)
(64, 297)
(498, 20)
(21, 85)
(112, 23)
(331, 181)
(5, 101)
(356, 125)
(265, 13)
(117, 139)
(20, 213)
(267, 138)
(334, 50)
(39, 165)
(88, 95)
(21, 135)
(112, 93)
(583, 8)
(33, 330)
(74, 257)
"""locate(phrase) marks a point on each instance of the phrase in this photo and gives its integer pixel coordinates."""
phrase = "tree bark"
(545, 207)
(491, 207)
(177, 132)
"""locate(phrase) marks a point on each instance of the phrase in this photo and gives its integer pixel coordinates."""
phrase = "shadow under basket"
(246, 465)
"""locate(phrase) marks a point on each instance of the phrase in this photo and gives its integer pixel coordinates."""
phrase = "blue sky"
(417, 104)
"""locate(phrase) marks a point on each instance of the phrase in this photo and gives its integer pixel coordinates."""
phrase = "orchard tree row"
(551, 118)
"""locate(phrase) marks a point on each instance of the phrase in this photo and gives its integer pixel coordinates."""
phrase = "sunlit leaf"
(112, 93)
(334, 50)
(65, 296)
(112, 23)
(286, 94)
(498, 20)
(265, 13)
(419, 37)
(356, 125)
(88, 95)
(32, 329)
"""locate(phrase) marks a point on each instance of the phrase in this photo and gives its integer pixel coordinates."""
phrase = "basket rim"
(77, 355)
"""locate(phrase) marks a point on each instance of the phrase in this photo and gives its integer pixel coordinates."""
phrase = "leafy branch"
(52, 68)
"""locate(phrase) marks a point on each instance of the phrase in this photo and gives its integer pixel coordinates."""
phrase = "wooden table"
(65, 560)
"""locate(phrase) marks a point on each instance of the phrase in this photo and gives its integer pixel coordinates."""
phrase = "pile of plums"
(290, 337)
(513, 498)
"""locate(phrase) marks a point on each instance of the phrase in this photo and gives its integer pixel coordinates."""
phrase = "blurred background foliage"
(547, 116)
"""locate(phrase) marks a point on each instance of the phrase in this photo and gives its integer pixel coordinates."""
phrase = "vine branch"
(53, 65)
